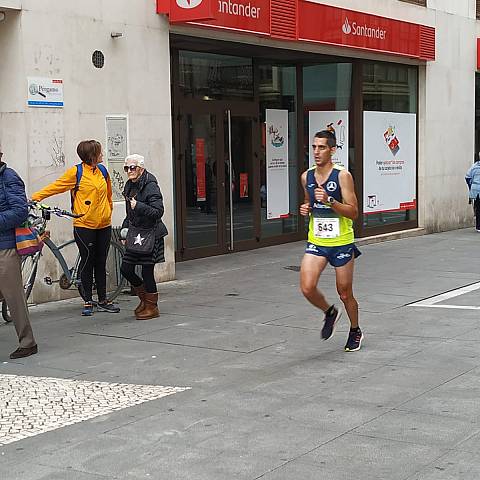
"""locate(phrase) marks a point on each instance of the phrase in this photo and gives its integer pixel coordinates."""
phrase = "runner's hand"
(320, 195)
(305, 209)
(133, 203)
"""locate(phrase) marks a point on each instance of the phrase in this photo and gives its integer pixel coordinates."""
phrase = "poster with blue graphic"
(278, 201)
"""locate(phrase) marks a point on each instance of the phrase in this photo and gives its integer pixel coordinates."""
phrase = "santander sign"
(227, 7)
(362, 30)
(188, 3)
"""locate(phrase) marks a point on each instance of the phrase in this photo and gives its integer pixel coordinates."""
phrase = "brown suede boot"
(140, 292)
(151, 307)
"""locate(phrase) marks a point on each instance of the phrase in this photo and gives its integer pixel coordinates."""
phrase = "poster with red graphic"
(335, 122)
(389, 162)
(244, 185)
(200, 160)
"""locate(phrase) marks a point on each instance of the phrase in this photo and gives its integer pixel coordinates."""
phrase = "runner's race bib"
(326, 227)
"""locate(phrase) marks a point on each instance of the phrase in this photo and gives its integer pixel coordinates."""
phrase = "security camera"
(116, 34)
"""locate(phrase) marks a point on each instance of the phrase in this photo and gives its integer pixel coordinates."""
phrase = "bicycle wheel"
(115, 280)
(29, 272)
(5, 313)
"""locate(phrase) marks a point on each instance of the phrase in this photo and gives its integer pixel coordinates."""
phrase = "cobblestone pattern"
(33, 405)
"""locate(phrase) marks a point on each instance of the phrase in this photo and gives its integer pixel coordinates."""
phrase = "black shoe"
(354, 341)
(24, 352)
(331, 319)
(109, 307)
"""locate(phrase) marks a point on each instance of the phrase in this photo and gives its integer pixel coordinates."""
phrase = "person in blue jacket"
(13, 213)
(472, 178)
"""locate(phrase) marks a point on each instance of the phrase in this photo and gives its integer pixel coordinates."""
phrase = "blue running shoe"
(87, 309)
(330, 321)
(354, 341)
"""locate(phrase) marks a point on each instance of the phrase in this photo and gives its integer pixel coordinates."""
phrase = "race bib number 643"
(326, 227)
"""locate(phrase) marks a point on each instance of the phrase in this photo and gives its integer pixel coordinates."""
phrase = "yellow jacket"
(92, 187)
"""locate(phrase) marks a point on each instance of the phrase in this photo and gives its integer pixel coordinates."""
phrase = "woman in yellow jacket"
(93, 200)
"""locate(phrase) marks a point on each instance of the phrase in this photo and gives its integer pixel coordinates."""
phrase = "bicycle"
(70, 275)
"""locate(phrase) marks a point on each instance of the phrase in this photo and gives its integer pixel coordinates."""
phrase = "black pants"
(476, 207)
(93, 246)
(128, 271)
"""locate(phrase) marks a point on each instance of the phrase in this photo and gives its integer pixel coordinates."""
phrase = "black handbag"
(140, 240)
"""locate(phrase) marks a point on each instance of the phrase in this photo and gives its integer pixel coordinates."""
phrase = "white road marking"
(433, 301)
(33, 405)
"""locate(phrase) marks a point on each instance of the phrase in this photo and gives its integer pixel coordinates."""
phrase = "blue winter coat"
(473, 180)
(13, 205)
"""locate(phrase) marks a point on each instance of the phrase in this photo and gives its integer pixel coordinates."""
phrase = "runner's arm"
(349, 205)
(305, 206)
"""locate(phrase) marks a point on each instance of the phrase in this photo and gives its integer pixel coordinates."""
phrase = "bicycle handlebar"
(55, 210)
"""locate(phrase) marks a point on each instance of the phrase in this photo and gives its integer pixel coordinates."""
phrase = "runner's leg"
(344, 278)
(310, 271)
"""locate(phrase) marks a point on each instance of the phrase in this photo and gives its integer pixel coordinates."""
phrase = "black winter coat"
(149, 209)
(13, 205)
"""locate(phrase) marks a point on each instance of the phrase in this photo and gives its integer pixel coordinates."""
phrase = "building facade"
(223, 97)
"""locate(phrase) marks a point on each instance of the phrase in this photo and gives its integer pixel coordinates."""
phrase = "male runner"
(331, 204)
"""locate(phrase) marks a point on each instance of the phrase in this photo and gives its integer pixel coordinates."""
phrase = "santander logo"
(188, 3)
(346, 28)
(362, 30)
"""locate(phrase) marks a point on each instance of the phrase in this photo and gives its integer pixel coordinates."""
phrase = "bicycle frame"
(56, 250)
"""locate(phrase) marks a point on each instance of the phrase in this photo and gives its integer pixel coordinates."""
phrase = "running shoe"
(109, 307)
(354, 341)
(331, 319)
(87, 309)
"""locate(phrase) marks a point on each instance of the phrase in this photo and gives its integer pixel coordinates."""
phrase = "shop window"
(478, 9)
(278, 90)
(215, 77)
(326, 87)
(390, 89)
(422, 3)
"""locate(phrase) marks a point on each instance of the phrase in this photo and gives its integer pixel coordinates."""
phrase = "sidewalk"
(266, 398)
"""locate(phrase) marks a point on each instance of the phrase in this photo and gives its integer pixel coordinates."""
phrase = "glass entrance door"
(239, 170)
(217, 201)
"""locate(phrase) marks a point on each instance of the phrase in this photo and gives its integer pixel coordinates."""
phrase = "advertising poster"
(244, 185)
(389, 161)
(200, 158)
(45, 92)
(337, 123)
(117, 131)
(277, 163)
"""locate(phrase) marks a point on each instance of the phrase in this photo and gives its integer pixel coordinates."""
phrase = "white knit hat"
(137, 159)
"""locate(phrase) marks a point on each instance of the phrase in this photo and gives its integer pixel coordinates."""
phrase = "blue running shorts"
(336, 256)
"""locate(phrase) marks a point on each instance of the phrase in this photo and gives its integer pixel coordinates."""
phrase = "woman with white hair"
(144, 240)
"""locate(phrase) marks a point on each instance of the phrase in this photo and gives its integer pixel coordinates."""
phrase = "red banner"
(188, 10)
(303, 20)
(251, 16)
(200, 160)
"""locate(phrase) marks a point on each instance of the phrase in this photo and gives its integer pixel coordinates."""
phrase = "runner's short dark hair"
(89, 151)
(330, 136)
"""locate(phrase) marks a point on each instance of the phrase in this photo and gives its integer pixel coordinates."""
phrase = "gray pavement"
(233, 381)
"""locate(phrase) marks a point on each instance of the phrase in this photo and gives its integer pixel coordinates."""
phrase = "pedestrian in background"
(145, 238)
(472, 178)
(13, 213)
(91, 191)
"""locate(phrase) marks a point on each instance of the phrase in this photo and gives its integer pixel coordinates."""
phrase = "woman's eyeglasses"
(130, 168)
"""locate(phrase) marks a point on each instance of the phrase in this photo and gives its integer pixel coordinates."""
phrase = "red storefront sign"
(306, 21)
(338, 26)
